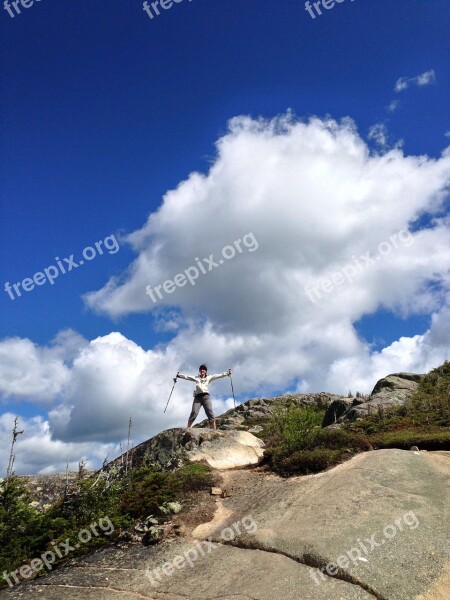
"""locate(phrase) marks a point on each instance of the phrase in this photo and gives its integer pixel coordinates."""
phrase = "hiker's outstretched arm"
(219, 375)
(188, 377)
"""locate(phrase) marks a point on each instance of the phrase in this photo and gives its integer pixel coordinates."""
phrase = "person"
(201, 393)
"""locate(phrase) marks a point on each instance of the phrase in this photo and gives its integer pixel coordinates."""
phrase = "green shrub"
(194, 477)
(338, 439)
(18, 522)
(297, 444)
(307, 461)
(292, 428)
(147, 491)
(404, 439)
(26, 533)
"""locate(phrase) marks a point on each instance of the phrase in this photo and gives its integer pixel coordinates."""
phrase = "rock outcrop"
(393, 390)
(396, 388)
(374, 527)
(171, 448)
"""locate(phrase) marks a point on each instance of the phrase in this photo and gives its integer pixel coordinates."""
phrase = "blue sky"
(115, 124)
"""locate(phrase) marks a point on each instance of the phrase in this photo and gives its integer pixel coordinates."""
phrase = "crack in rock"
(313, 561)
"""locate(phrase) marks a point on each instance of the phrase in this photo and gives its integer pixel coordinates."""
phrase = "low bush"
(338, 439)
(26, 533)
(296, 443)
(145, 492)
(291, 428)
(405, 438)
(194, 477)
(306, 461)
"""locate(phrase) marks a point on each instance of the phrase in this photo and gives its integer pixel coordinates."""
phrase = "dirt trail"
(245, 487)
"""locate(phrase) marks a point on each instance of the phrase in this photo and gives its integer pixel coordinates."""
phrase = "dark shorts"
(205, 401)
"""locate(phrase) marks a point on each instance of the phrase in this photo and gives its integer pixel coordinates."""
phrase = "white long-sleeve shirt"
(202, 383)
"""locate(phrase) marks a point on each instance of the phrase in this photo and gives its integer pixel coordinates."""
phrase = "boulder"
(397, 387)
(174, 447)
(393, 390)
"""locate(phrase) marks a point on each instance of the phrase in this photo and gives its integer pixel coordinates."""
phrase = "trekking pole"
(232, 389)
(174, 382)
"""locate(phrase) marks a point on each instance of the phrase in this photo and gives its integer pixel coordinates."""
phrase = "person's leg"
(207, 405)
(194, 412)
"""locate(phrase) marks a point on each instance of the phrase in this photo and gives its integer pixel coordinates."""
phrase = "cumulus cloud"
(312, 194)
(113, 379)
(37, 373)
(427, 78)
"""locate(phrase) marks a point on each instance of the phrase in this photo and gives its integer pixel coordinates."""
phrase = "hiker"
(201, 393)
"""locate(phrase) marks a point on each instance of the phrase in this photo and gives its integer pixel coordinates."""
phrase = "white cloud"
(111, 380)
(36, 452)
(427, 78)
(393, 106)
(27, 370)
(379, 134)
(311, 193)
